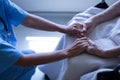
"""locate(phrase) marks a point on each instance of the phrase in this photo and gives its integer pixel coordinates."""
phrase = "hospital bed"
(106, 36)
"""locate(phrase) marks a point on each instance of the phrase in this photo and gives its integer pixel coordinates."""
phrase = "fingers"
(81, 42)
(77, 27)
(84, 30)
(80, 30)
(84, 43)
(83, 39)
(78, 46)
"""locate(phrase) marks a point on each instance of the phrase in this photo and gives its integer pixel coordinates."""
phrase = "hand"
(77, 47)
(80, 29)
(94, 49)
(75, 30)
(88, 26)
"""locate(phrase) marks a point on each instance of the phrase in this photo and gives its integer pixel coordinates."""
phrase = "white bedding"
(105, 35)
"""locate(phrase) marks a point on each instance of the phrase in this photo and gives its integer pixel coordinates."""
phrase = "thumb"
(84, 29)
(90, 49)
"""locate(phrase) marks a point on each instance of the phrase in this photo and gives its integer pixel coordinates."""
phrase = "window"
(42, 44)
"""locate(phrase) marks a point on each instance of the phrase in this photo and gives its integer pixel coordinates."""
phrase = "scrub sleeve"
(9, 55)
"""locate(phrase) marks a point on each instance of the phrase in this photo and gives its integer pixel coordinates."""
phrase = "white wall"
(58, 5)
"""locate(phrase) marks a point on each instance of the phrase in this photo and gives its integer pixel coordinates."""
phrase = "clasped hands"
(82, 43)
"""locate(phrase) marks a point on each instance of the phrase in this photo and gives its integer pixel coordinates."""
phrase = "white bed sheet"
(105, 35)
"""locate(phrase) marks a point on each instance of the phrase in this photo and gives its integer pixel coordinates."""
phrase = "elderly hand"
(80, 29)
(88, 26)
(78, 46)
(75, 29)
(95, 50)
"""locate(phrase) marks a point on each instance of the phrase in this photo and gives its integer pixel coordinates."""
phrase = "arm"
(41, 58)
(40, 23)
(108, 14)
(115, 52)
(95, 50)
(111, 53)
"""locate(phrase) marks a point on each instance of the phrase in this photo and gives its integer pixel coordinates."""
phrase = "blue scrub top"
(9, 55)
(12, 15)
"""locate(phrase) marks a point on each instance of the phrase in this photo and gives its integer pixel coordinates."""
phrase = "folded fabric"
(105, 35)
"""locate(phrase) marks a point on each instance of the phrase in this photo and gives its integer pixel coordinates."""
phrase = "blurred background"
(58, 11)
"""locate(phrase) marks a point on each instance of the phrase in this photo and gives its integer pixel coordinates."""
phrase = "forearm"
(108, 14)
(110, 53)
(78, 46)
(40, 23)
(41, 58)
(105, 53)
(114, 52)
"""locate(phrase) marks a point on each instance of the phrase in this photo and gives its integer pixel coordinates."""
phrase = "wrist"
(64, 53)
(91, 22)
(62, 29)
(104, 53)
(96, 20)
